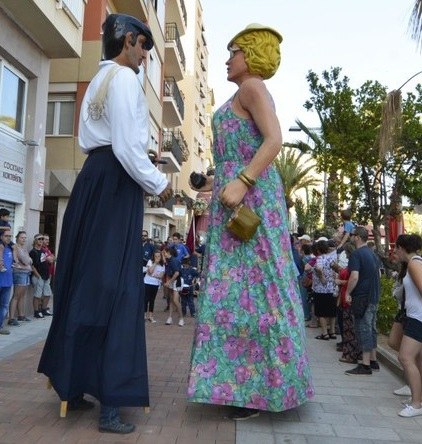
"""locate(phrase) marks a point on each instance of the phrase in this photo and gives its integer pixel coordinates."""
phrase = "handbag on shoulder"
(243, 222)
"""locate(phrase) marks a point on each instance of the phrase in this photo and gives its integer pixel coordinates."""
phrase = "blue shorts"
(413, 329)
(365, 329)
(21, 279)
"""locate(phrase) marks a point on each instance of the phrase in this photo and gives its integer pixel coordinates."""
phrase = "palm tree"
(295, 175)
(415, 23)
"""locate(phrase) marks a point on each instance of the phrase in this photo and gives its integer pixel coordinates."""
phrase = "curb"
(390, 360)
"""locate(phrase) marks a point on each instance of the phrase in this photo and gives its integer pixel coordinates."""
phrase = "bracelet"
(244, 180)
(248, 178)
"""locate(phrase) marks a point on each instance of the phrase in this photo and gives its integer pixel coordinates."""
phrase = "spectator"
(173, 283)
(153, 278)
(21, 280)
(323, 287)
(348, 227)
(51, 259)
(6, 278)
(40, 278)
(189, 276)
(349, 345)
(148, 250)
(5, 225)
(407, 247)
(182, 251)
(363, 291)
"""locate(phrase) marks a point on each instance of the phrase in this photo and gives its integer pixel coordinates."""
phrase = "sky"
(368, 39)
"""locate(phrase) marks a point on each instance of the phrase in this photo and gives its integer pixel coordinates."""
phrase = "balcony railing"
(172, 144)
(172, 35)
(185, 16)
(172, 90)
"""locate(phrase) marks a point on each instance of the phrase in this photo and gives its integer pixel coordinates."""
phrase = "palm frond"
(415, 23)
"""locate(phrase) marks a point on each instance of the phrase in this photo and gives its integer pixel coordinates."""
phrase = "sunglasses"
(232, 52)
(39, 238)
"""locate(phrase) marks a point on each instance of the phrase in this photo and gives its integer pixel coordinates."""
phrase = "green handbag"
(243, 223)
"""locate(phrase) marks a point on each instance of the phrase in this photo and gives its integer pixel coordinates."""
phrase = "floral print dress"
(249, 342)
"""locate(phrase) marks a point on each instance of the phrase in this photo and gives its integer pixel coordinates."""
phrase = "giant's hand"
(166, 193)
(233, 193)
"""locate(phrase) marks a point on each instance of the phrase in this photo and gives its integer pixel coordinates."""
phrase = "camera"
(197, 180)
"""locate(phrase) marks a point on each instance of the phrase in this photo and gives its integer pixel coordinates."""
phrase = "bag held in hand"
(243, 223)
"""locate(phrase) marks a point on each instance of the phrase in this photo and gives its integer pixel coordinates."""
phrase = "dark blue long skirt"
(96, 343)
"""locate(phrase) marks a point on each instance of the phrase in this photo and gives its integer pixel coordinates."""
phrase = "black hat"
(117, 25)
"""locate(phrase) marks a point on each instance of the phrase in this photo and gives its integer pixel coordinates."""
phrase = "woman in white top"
(21, 280)
(410, 354)
(152, 281)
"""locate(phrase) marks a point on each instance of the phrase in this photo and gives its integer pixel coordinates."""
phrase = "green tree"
(295, 174)
(309, 215)
(350, 123)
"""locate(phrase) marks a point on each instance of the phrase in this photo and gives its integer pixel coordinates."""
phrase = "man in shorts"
(40, 278)
(363, 291)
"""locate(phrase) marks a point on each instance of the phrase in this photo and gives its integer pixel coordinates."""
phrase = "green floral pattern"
(249, 344)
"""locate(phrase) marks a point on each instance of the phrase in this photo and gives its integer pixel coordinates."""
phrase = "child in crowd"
(189, 276)
(348, 227)
(172, 273)
(153, 277)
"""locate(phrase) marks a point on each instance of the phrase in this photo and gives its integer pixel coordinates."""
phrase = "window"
(159, 7)
(154, 137)
(60, 115)
(154, 71)
(12, 99)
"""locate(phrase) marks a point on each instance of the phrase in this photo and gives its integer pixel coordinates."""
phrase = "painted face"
(137, 54)
(236, 65)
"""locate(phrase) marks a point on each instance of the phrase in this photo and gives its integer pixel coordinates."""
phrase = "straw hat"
(255, 27)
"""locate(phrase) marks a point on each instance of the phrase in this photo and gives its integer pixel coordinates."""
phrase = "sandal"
(323, 337)
(332, 336)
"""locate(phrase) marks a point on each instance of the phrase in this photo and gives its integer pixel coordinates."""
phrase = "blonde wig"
(262, 52)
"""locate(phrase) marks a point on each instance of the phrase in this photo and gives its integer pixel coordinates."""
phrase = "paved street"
(345, 409)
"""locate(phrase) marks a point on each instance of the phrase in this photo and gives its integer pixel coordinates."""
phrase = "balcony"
(175, 61)
(173, 105)
(176, 13)
(56, 25)
(136, 8)
(172, 151)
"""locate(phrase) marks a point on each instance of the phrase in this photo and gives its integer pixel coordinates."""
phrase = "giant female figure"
(249, 347)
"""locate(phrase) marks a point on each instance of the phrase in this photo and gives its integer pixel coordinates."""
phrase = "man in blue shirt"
(6, 278)
(363, 291)
(182, 251)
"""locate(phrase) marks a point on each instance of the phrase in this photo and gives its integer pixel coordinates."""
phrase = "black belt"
(100, 149)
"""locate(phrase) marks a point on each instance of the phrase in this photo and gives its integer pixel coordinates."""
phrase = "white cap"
(305, 237)
(321, 238)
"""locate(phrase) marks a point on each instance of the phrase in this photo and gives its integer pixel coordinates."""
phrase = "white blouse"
(124, 125)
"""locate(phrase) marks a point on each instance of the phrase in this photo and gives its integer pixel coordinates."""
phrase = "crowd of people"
(21, 267)
(340, 283)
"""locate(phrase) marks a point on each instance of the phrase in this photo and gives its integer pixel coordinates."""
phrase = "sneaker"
(409, 412)
(242, 414)
(23, 319)
(169, 321)
(13, 322)
(181, 322)
(4, 331)
(38, 315)
(375, 367)
(47, 312)
(152, 320)
(3, 269)
(406, 402)
(359, 370)
(403, 391)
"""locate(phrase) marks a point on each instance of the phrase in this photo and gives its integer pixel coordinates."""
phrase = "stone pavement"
(345, 409)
